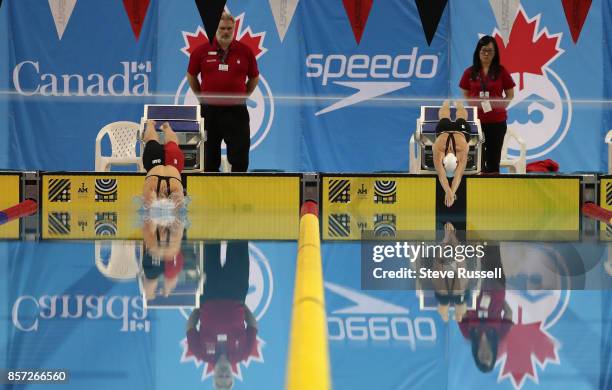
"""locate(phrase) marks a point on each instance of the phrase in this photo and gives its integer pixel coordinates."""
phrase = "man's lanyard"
(223, 55)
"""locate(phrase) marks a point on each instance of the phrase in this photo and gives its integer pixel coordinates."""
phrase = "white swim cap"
(450, 164)
(163, 212)
(163, 204)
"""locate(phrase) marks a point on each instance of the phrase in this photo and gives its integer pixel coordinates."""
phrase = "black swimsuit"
(167, 180)
(457, 299)
(445, 125)
(450, 141)
(158, 234)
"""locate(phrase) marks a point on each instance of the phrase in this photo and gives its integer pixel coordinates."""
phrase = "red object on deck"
(25, 208)
(592, 210)
(547, 165)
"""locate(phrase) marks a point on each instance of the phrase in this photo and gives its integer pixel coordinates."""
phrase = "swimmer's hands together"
(450, 198)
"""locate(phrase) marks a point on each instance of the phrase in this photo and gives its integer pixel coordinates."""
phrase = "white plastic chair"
(413, 162)
(118, 260)
(514, 164)
(609, 142)
(123, 138)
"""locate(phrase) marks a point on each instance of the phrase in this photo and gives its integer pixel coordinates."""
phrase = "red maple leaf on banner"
(208, 370)
(193, 40)
(524, 346)
(528, 50)
(252, 40)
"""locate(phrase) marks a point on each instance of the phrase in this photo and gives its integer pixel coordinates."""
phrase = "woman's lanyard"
(483, 87)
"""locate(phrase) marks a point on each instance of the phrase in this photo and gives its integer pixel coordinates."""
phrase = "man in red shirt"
(229, 75)
(228, 329)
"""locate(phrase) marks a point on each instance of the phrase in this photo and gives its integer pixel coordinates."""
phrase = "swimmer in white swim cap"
(450, 164)
(451, 149)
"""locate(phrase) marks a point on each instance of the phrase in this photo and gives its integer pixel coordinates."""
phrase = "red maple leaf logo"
(253, 41)
(246, 36)
(524, 346)
(528, 50)
(193, 40)
(208, 369)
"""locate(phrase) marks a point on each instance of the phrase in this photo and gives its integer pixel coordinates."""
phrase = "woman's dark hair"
(476, 65)
(493, 340)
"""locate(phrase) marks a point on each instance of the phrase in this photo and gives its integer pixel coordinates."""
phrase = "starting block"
(187, 123)
(173, 284)
(421, 142)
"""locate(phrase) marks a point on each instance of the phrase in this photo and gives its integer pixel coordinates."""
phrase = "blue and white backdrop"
(341, 81)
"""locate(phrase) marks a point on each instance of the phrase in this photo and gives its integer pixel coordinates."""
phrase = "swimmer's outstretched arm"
(461, 163)
(438, 157)
(449, 194)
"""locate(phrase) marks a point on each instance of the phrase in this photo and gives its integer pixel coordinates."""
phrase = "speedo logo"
(371, 76)
(367, 318)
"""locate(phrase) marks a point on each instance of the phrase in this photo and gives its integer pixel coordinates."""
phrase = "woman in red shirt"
(486, 325)
(488, 85)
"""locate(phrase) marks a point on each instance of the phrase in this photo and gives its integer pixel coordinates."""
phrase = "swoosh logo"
(365, 90)
(364, 304)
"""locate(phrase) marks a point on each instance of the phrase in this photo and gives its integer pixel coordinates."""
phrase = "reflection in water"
(227, 332)
(517, 328)
(162, 255)
(221, 329)
(118, 260)
(489, 322)
(451, 289)
(169, 258)
(480, 308)
(162, 240)
(522, 329)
